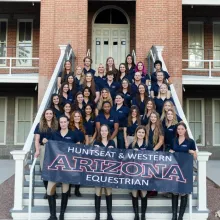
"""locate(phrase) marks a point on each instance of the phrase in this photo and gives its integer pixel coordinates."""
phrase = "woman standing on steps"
(102, 141)
(56, 105)
(139, 143)
(65, 135)
(182, 143)
(43, 132)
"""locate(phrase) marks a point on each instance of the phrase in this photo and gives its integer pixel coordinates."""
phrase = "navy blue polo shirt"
(131, 128)
(65, 76)
(89, 126)
(155, 88)
(82, 110)
(66, 100)
(57, 112)
(79, 134)
(70, 137)
(134, 89)
(47, 134)
(108, 121)
(113, 88)
(150, 141)
(71, 96)
(154, 76)
(169, 135)
(127, 76)
(141, 105)
(144, 78)
(122, 114)
(131, 72)
(185, 146)
(89, 71)
(111, 143)
(136, 146)
(100, 81)
(127, 99)
(90, 102)
(144, 120)
(159, 104)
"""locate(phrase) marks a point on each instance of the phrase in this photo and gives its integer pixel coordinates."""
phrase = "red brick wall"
(160, 23)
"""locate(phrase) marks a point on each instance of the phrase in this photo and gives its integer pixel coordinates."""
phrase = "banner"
(116, 168)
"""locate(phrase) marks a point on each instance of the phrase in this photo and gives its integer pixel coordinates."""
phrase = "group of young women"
(113, 108)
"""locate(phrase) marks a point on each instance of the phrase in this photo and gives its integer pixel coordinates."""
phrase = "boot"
(175, 199)
(69, 191)
(97, 206)
(183, 204)
(52, 206)
(45, 185)
(64, 201)
(109, 207)
(135, 207)
(143, 207)
(77, 192)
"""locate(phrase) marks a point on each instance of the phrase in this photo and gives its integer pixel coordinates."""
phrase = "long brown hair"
(184, 125)
(129, 86)
(99, 137)
(92, 84)
(43, 126)
(72, 123)
(138, 97)
(61, 88)
(157, 130)
(134, 108)
(174, 121)
(135, 135)
(146, 110)
(64, 71)
(118, 77)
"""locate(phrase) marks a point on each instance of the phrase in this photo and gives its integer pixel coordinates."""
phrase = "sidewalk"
(7, 169)
(213, 171)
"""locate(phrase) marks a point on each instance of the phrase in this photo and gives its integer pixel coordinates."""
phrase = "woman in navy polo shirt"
(149, 108)
(56, 105)
(62, 77)
(88, 97)
(125, 89)
(65, 135)
(136, 83)
(139, 143)
(130, 65)
(87, 66)
(110, 66)
(72, 88)
(163, 96)
(108, 117)
(79, 78)
(141, 98)
(63, 93)
(122, 112)
(76, 125)
(123, 74)
(89, 82)
(100, 76)
(132, 123)
(89, 124)
(104, 140)
(78, 103)
(67, 109)
(42, 133)
(144, 76)
(182, 143)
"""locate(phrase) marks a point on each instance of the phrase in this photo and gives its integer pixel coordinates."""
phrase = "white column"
(62, 49)
(202, 158)
(18, 156)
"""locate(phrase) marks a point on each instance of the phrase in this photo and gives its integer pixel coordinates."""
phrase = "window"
(216, 121)
(216, 44)
(24, 42)
(23, 118)
(195, 44)
(3, 120)
(3, 40)
(195, 117)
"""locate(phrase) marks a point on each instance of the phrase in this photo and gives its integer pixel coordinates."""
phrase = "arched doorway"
(110, 35)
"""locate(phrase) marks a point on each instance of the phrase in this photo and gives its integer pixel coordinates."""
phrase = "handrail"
(134, 55)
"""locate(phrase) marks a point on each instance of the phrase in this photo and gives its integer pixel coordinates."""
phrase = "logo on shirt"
(120, 111)
(68, 138)
(184, 145)
(92, 121)
(113, 87)
(170, 129)
(111, 120)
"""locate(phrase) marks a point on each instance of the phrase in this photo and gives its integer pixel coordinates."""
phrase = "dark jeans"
(120, 140)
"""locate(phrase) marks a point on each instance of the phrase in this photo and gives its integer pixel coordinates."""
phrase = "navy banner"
(116, 168)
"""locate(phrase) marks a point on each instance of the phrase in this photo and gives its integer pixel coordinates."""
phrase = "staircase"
(159, 208)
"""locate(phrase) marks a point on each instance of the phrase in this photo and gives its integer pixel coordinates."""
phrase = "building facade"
(31, 32)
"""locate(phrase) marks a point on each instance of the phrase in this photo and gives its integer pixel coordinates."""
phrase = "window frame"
(213, 120)
(203, 118)
(6, 116)
(16, 116)
(6, 39)
(213, 40)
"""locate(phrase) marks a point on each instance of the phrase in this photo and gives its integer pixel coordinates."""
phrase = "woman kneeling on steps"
(182, 143)
(65, 135)
(139, 143)
(103, 140)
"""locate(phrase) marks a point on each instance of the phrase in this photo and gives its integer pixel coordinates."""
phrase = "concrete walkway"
(7, 169)
(213, 169)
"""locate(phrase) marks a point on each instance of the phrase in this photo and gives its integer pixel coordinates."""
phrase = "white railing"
(66, 52)
(17, 66)
(154, 54)
(210, 69)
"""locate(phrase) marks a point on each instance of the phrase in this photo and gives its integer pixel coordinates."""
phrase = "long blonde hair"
(101, 100)
(135, 135)
(97, 70)
(164, 112)
(157, 130)
(174, 121)
(82, 77)
(168, 95)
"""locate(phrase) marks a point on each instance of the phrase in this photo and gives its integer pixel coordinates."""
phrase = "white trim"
(200, 2)
(17, 41)
(16, 117)
(19, 78)
(213, 120)
(6, 115)
(213, 39)
(203, 118)
(196, 22)
(200, 80)
(6, 40)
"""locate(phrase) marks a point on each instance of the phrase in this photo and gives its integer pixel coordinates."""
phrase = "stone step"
(88, 200)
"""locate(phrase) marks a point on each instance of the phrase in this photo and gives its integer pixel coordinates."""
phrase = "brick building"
(31, 32)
